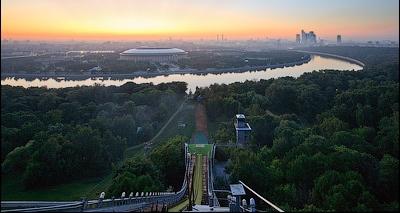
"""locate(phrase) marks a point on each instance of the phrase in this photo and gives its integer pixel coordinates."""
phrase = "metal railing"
(31, 204)
(211, 193)
(132, 203)
(73, 207)
(262, 198)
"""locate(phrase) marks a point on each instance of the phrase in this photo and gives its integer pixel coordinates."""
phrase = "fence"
(132, 203)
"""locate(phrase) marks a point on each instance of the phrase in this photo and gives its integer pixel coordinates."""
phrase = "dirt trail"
(201, 119)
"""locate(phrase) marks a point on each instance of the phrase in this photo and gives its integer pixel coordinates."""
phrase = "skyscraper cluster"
(306, 38)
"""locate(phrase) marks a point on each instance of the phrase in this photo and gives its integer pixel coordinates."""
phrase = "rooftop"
(152, 50)
(245, 127)
(240, 116)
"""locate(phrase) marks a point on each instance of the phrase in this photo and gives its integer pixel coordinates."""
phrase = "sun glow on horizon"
(89, 19)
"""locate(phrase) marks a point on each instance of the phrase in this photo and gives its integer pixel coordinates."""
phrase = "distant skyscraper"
(298, 38)
(339, 39)
(312, 37)
(308, 38)
(303, 36)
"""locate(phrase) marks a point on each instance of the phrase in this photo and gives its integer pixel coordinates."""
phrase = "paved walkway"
(161, 130)
(109, 177)
(166, 124)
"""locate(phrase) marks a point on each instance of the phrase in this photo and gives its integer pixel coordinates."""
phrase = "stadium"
(153, 54)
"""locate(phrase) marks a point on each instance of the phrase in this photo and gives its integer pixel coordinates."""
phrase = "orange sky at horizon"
(139, 20)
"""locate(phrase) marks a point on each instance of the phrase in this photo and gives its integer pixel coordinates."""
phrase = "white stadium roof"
(153, 51)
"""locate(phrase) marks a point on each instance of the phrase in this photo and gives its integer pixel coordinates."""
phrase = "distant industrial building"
(308, 38)
(298, 39)
(153, 54)
(339, 39)
(82, 53)
(243, 129)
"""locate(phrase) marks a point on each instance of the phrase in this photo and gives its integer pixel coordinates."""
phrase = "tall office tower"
(303, 37)
(312, 37)
(339, 39)
(298, 38)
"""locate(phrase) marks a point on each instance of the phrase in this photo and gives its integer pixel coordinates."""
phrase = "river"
(193, 80)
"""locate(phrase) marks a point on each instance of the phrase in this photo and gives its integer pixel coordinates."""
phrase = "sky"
(357, 20)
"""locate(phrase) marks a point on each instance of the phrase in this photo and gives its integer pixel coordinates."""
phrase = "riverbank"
(352, 60)
(144, 74)
(193, 80)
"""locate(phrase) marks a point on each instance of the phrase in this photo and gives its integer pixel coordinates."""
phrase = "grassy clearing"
(133, 151)
(12, 187)
(63, 192)
(102, 186)
(185, 116)
(203, 149)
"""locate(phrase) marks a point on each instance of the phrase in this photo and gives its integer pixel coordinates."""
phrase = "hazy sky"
(236, 19)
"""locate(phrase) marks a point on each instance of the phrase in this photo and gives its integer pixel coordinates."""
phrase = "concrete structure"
(243, 129)
(298, 38)
(339, 39)
(153, 54)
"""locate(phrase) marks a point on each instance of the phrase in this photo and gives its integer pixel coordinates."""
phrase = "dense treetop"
(327, 140)
(51, 136)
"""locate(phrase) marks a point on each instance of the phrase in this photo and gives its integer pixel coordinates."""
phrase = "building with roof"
(243, 129)
(153, 54)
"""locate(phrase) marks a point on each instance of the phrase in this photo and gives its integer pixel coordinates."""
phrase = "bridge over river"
(196, 194)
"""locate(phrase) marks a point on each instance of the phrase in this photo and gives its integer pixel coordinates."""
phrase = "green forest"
(54, 136)
(234, 59)
(326, 141)
(162, 170)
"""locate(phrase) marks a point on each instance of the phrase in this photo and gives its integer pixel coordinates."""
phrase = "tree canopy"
(326, 141)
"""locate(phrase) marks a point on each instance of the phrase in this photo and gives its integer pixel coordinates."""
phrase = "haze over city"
(359, 20)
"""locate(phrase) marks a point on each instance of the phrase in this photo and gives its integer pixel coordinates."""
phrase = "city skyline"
(360, 20)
